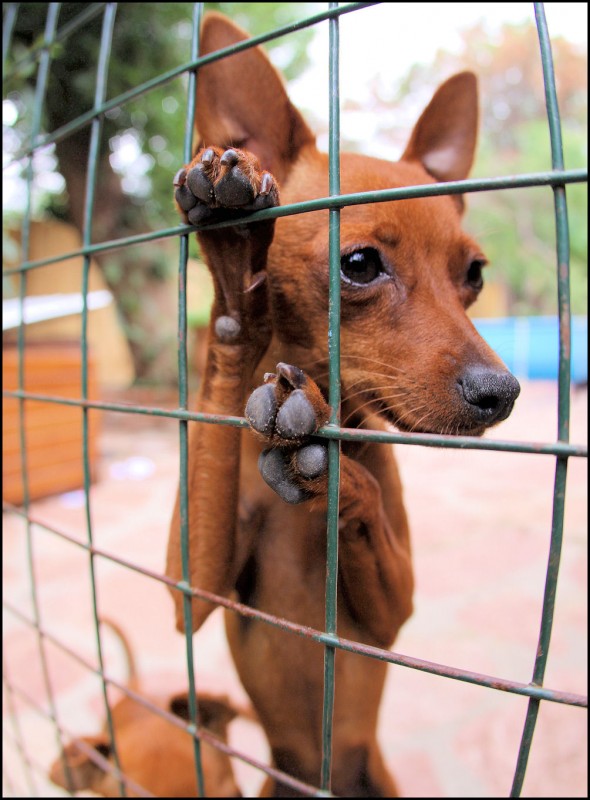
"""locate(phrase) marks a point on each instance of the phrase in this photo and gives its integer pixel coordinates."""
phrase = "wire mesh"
(562, 450)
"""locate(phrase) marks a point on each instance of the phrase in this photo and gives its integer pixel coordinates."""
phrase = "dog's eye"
(362, 266)
(474, 273)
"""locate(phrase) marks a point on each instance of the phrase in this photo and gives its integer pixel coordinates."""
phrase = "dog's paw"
(218, 183)
(286, 411)
(293, 472)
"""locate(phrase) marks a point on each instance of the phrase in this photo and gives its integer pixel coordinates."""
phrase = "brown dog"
(410, 358)
(156, 755)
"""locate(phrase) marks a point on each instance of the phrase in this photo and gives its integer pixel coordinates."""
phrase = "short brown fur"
(410, 357)
(154, 754)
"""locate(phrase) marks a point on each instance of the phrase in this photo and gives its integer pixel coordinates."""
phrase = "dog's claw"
(257, 281)
(293, 376)
(230, 158)
(184, 197)
(266, 184)
(180, 177)
(207, 157)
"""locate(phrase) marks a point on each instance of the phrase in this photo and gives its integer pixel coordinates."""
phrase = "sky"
(388, 38)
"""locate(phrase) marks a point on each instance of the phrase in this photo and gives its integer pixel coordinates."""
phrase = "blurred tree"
(142, 141)
(517, 228)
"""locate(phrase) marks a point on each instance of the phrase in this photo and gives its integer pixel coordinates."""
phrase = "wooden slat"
(53, 432)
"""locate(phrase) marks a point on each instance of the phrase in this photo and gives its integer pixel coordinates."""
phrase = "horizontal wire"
(552, 178)
(502, 684)
(202, 733)
(327, 431)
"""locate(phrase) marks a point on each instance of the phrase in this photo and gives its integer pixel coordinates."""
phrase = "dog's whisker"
(377, 402)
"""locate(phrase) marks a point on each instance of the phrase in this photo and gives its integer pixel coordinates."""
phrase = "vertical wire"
(40, 91)
(8, 23)
(183, 424)
(563, 290)
(18, 735)
(93, 157)
(334, 399)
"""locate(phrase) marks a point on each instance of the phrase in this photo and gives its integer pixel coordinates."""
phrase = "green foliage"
(149, 39)
(517, 227)
(142, 141)
(290, 53)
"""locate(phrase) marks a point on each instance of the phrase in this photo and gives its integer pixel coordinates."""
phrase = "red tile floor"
(481, 523)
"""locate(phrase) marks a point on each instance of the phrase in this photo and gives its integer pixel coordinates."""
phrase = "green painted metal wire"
(40, 91)
(18, 735)
(7, 29)
(334, 399)
(348, 645)
(93, 158)
(85, 119)
(183, 425)
(329, 432)
(350, 434)
(61, 35)
(320, 204)
(564, 373)
(557, 179)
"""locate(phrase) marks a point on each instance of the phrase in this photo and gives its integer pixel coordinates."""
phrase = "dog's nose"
(490, 393)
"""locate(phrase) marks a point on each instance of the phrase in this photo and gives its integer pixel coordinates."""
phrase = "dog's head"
(408, 270)
(154, 754)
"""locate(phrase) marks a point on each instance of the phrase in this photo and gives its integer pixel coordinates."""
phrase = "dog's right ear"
(215, 712)
(242, 102)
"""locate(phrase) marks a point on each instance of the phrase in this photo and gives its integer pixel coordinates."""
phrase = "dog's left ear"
(242, 101)
(444, 138)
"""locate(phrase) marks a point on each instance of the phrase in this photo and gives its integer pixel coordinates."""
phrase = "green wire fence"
(556, 179)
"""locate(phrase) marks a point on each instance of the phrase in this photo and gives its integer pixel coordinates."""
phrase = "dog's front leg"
(375, 560)
(215, 187)
(375, 563)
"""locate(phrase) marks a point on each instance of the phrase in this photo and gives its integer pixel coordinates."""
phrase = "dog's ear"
(444, 138)
(215, 712)
(178, 704)
(84, 773)
(242, 102)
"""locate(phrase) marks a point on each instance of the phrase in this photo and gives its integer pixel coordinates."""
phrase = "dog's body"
(154, 754)
(410, 357)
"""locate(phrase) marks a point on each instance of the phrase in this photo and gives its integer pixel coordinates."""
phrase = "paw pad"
(274, 468)
(227, 329)
(199, 184)
(218, 184)
(296, 417)
(312, 460)
(261, 409)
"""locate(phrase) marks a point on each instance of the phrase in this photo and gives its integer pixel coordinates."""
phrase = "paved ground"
(481, 524)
